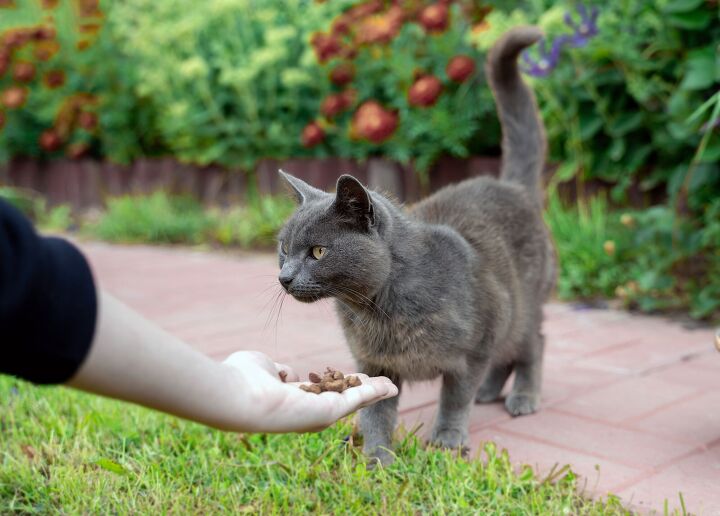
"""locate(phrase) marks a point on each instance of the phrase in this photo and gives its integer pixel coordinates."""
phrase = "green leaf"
(683, 6)
(589, 126)
(695, 20)
(111, 466)
(700, 73)
(626, 123)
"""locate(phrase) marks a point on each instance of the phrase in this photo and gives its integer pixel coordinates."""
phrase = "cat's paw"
(379, 456)
(521, 404)
(487, 395)
(450, 438)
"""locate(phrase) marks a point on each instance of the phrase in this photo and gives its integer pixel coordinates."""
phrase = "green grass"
(69, 452)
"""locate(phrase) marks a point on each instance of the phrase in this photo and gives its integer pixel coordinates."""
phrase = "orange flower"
(24, 72)
(13, 97)
(434, 18)
(312, 135)
(460, 68)
(381, 28)
(50, 140)
(373, 122)
(424, 91)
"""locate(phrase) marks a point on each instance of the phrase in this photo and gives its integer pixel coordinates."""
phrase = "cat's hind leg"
(525, 395)
(493, 383)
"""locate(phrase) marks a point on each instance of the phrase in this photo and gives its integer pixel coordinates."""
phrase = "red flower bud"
(312, 135)
(77, 150)
(87, 120)
(24, 72)
(373, 122)
(342, 74)
(54, 79)
(434, 18)
(13, 97)
(425, 91)
(460, 68)
(325, 46)
(2, 120)
(333, 105)
(50, 141)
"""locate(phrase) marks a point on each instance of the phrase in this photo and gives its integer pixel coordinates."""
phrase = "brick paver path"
(631, 403)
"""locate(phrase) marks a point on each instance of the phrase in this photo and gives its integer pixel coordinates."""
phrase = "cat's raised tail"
(523, 142)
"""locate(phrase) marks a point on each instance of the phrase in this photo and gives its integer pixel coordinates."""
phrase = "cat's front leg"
(377, 423)
(456, 401)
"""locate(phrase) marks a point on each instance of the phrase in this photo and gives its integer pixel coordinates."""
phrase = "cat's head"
(331, 246)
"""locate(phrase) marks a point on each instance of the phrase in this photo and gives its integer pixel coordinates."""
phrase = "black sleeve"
(48, 303)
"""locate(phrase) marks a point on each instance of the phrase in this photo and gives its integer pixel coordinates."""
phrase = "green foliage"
(95, 79)
(652, 260)
(157, 218)
(56, 219)
(587, 269)
(70, 452)
(619, 108)
(254, 225)
(164, 219)
(461, 123)
(230, 81)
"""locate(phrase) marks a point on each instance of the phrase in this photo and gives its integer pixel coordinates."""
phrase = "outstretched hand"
(281, 406)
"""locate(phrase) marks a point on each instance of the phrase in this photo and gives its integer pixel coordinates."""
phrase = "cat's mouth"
(306, 295)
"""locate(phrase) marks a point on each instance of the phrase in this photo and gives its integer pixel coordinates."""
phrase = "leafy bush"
(157, 218)
(591, 244)
(165, 219)
(407, 84)
(255, 225)
(230, 80)
(619, 106)
(58, 218)
(64, 88)
(652, 260)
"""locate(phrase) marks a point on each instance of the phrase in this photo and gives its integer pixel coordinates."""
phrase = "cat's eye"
(284, 247)
(318, 252)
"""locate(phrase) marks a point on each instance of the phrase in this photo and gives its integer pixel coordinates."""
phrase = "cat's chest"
(413, 349)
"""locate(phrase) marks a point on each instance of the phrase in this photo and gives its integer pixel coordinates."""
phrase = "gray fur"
(453, 287)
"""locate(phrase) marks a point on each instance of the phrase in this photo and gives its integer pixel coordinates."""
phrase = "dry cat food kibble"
(331, 381)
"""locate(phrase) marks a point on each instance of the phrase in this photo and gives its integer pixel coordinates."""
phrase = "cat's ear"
(302, 191)
(353, 201)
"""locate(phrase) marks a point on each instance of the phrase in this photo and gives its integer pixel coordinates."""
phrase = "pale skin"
(134, 360)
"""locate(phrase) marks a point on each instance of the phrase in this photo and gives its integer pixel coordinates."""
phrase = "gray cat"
(452, 287)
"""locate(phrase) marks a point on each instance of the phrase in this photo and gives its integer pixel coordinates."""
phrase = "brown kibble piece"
(283, 375)
(314, 388)
(334, 386)
(331, 381)
(353, 381)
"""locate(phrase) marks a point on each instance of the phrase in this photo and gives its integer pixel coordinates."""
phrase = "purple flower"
(547, 58)
(586, 29)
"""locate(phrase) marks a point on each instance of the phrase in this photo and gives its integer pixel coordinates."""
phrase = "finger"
(291, 375)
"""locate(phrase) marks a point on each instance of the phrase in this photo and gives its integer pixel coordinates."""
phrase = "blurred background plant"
(406, 83)
(229, 85)
(64, 89)
(629, 91)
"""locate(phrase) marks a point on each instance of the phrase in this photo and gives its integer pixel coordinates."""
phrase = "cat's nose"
(285, 280)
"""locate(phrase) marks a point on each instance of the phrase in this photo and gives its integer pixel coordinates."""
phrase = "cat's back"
(482, 208)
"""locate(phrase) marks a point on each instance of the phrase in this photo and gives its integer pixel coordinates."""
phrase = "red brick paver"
(631, 403)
